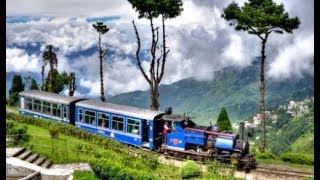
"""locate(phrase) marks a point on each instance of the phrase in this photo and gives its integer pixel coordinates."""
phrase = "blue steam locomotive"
(140, 127)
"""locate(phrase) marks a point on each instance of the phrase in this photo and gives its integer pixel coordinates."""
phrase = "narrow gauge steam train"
(139, 127)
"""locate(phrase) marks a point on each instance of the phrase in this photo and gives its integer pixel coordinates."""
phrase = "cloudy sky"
(200, 42)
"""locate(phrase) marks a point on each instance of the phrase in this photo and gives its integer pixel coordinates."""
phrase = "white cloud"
(17, 60)
(200, 42)
(62, 8)
(294, 59)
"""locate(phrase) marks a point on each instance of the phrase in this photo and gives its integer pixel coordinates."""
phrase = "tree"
(101, 29)
(16, 87)
(32, 83)
(223, 120)
(261, 18)
(152, 9)
(72, 83)
(58, 82)
(49, 56)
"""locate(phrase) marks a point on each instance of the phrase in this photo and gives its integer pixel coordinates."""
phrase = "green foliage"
(54, 131)
(298, 158)
(221, 171)
(83, 175)
(260, 17)
(266, 155)
(281, 138)
(152, 8)
(223, 120)
(112, 169)
(59, 81)
(101, 28)
(16, 87)
(189, 169)
(34, 85)
(304, 144)
(17, 132)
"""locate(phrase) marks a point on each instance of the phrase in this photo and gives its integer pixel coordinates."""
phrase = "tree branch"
(158, 65)
(105, 52)
(138, 52)
(152, 50)
(165, 52)
(256, 33)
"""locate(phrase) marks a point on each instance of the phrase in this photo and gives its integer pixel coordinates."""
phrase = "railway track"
(285, 173)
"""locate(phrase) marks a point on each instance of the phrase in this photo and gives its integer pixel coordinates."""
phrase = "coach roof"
(119, 109)
(47, 96)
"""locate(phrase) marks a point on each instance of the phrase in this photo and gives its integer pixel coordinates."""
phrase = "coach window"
(133, 126)
(56, 110)
(90, 117)
(28, 104)
(103, 120)
(65, 113)
(37, 105)
(117, 123)
(46, 108)
(80, 119)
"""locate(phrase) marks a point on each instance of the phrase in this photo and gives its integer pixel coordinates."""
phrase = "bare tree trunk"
(72, 84)
(262, 97)
(42, 75)
(154, 78)
(50, 78)
(102, 97)
(154, 97)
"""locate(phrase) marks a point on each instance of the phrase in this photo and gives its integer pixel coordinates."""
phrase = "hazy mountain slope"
(237, 90)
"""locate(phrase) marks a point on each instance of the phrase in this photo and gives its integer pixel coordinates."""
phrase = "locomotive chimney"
(168, 110)
(241, 130)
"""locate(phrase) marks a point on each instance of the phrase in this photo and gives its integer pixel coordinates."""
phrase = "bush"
(190, 169)
(266, 155)
(17, 131)
(298, 158)
(54, 131)
(113, 169)
(217, 170)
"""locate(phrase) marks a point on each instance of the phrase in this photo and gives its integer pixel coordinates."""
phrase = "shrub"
(217, 170)
(298, 158)
(54, 131)
(17, 131)
(113, 169)
(190, 169)
(266, 155)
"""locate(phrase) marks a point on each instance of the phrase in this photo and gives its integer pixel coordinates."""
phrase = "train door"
(158, 133)
(145, 133)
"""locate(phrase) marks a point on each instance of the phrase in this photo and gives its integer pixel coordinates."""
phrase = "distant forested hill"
(235, 89)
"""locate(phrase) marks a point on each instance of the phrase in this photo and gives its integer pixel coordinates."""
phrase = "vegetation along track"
(204, 161)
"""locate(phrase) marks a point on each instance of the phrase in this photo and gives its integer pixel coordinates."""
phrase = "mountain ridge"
(235, 89)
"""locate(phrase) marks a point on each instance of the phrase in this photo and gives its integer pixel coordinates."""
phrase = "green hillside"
(237, 90)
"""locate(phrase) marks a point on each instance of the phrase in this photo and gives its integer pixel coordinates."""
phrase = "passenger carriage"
(47, 105)
(131, 125)
(140, 127)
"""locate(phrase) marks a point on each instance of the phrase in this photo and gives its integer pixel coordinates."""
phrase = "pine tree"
(223, 120)
(34, 85)
(16, 87)
(261, 18)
